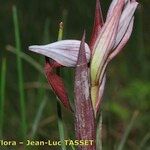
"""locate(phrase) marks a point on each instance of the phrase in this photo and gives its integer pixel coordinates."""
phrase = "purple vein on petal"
(112, 7)
(105, 42)
(123, 41)
(64, 52)
(125, 20)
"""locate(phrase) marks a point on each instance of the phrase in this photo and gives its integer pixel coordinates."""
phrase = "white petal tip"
(33, 48)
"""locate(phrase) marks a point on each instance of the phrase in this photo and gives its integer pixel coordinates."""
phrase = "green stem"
(59, 112)
(27, 58)
(99, 133)
(2, 95)
(46, 39)
(61, 126)
(127, 131)
(38, 117)
(20, 74)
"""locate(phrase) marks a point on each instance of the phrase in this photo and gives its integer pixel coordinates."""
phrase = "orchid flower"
(112, 37)
(107, 40)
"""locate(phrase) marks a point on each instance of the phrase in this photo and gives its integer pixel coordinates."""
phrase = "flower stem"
(59, 111)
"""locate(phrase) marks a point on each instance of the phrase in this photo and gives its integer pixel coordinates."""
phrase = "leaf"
(127, 131)
(99, 133)
(2, 93)
(84, 113)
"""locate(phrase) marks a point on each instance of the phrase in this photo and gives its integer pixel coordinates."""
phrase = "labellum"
(64, 52)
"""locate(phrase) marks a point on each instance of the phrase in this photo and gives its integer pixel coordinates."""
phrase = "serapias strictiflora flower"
(112, 37)
(107, 40)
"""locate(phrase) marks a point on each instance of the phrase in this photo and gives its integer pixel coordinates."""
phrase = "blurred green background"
(126, 101)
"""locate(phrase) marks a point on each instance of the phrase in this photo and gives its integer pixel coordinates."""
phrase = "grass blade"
(41, 78)
(127, 132)
(38, 117)
(27, 58)
(144, 141)
(61, 126)
(2, 94)
(59, 112)
(20, 74)
(41, 90)
(99, 133)
(46, 37)
(72, 147)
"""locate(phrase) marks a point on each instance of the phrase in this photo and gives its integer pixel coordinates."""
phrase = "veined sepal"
(64, 52)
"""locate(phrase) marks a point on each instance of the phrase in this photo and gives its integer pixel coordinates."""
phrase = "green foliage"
(20, 75)
(2, 94)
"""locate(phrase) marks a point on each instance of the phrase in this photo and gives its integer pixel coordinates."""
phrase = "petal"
(125, 20)
(119, 47)
(84, 114)
(56, 82)
(98, 23)
(111, 56)
(64, 52)
(112, 7)
(105, 43)
(123, 41)
(117, 50)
